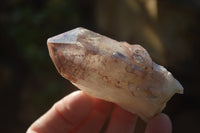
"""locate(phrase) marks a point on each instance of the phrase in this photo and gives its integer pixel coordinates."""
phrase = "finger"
(65, 114)
(160, 124)
(121, 121)
(97, 118)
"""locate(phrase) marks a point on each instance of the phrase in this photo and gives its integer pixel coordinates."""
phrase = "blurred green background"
(30, 84)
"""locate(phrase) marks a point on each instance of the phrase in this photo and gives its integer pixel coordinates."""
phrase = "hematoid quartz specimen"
(113, 71)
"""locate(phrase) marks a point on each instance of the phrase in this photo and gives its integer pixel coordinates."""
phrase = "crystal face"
(113, 71)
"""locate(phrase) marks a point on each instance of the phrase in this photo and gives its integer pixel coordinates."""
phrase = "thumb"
(160, 124)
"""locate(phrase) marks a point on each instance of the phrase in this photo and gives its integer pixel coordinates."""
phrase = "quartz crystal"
(113, 71)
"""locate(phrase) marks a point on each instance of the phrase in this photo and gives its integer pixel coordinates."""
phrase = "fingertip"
(77, 100)
(159, 124)
(97, 118)
(76, 106)
(121, 121)
(65, 114)
(124, 115)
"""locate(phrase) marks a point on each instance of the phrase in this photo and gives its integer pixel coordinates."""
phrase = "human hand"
(81, 113)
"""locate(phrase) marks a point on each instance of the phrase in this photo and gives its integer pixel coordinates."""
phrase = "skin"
(81, 113)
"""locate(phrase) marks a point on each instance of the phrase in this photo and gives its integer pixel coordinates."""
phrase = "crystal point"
(114, 71)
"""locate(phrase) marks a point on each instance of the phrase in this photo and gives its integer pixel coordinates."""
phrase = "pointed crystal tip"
(179, 87)
(69, 37)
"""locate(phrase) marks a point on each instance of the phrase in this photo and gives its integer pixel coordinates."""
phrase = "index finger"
(65, 114)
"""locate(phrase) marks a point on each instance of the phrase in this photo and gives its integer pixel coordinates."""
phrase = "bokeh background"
(30, 84)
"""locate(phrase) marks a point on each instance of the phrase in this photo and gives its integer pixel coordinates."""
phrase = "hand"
(81, 113)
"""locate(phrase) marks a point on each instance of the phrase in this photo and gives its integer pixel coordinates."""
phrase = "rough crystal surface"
(114, 71)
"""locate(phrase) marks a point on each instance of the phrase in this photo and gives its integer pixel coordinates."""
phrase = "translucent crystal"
(113, 71)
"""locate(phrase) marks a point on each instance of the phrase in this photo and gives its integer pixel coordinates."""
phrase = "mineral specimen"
(113, 71)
